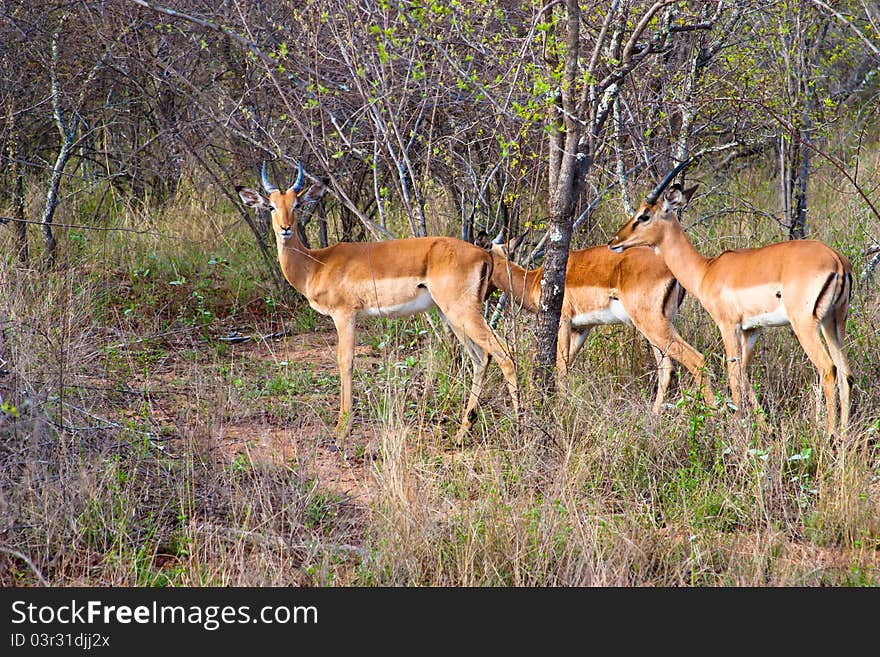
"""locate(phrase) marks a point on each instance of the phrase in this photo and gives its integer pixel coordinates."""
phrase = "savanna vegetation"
(167, 401)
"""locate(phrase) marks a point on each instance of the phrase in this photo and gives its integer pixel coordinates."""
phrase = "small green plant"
(698, 411)
(242, 462)
(305, 319)
(320, 509)
(8, 409)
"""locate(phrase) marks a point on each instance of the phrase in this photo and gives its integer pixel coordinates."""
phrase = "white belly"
(613, 313)
(418, 304)
(776, 318)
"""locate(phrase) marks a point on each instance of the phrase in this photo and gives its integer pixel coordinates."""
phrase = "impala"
(801, 283)
(603, 288)
(395, 278)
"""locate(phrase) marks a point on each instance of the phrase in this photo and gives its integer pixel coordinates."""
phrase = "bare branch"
(849, 24)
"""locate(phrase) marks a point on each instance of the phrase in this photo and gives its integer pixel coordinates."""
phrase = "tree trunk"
(553, 284)
(68, 133)
(322, 225)
(562, 206)
(809, 56)
(797, 230)
(52, 203)
(785, 180)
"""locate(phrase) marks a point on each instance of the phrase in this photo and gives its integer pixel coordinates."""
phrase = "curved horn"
(505, 219)
(651, 198)
(269, 187)
(300, 177)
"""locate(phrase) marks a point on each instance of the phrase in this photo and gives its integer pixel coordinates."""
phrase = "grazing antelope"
(801, 283)
(603, 288)
(395, 278)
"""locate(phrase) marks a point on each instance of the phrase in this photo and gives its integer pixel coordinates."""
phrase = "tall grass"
(137, 447)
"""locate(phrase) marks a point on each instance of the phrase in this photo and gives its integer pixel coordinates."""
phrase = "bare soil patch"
(303, 442)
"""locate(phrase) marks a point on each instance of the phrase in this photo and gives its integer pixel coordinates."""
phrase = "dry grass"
(137, 448)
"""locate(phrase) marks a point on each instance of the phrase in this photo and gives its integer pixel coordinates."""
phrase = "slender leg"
(807, 333)
(470, 411)
(469, 322)
(473, 350)
(664, 376)
(578, 339)
(835, 333)
(563, 344)
(748, 339)
(735, 373)
(480, 360)
(660, 332)
(695, 363)
(461, 301)
(345, 332)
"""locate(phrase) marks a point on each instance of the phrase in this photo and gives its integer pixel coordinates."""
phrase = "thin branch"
(849, 24)
(4, 220)
(232, 34)
(637, 32)
(795, 134)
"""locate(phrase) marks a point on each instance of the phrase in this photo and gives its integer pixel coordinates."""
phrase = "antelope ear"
(253, 199)
(483, 240)
(675, 199)
(312, 195)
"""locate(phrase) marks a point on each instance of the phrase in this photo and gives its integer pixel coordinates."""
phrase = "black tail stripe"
(485, 276)
(670, 288)
(828, 282)
(845, 289)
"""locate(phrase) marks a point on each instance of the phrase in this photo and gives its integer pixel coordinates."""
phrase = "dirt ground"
(304, 442)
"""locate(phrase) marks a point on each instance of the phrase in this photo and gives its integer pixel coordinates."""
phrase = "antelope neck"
(297, 262)
(521, 285)
(687, 265)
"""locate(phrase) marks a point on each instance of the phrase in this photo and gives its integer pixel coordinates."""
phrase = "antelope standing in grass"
(393, 278)
(804, 284)
(602, 288)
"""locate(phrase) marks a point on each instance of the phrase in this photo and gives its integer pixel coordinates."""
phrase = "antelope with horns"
(802, 283)
(601, 288)
(393, 278)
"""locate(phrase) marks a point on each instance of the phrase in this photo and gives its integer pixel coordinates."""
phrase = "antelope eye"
(642, 218)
